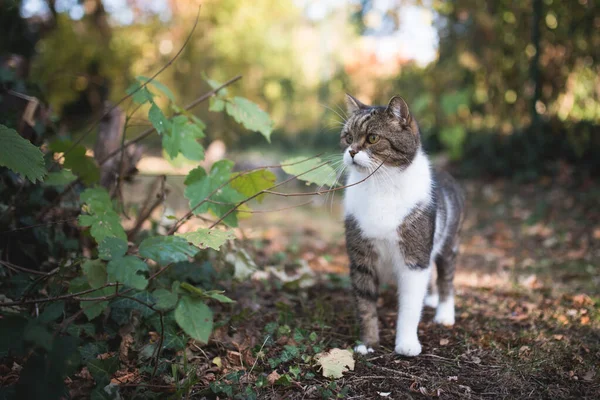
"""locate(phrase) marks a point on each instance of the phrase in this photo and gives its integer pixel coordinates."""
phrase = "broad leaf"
(320, 173)
(254, 182)
(250, 115)
(162, 88)
(219, 296)
(106, 224)
(63, 177)
(121, 307)
(112, 247)
(167, 249)
(19, 155)
(165, 299)
(183, 138)
(140, 95)
(158, 119)
(216, 104)
(93, 309)
(129, 271)
(95, 272)
(103, 370)
(200, 186)
(77, 161)
(205, 238)
(335, 362)
(194, 317)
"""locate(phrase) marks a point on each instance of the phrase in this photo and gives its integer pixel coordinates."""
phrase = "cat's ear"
(352, 104)
(398, 108)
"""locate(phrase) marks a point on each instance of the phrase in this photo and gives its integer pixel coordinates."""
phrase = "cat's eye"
(372, 138)
(348, 139)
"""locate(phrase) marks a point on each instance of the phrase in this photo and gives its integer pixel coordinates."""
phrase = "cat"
(399, 221)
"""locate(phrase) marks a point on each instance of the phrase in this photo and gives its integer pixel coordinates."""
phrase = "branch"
(164, 67)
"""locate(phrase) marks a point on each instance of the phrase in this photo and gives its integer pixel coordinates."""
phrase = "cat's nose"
(352, 153)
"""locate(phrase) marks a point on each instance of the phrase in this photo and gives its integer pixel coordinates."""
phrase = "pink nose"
(352, 153)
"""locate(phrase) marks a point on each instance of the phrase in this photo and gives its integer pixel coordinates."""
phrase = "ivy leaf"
(200, 186)
(95, 272)
(103, 369)
(165, 299)
(63, 177)
(20, 155)
(158, 119)
(194, 317)
(127, 270)
(183, 138)
(250, 115)
(205, 238)
(167, 249)
(254, 182)
(321, 175)
(161, 87)
(112, 247)
(77, 161)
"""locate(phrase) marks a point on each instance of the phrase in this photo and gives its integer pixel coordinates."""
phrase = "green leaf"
(103, 370)
(165, 299)
(251, 116)
(95, 272)
(194, 317)
(195, 175)
(121, 307)
(183, 138)
(90, 351)
(52, 312)
(140, 96)
(106, 224)
(200, 187)
(219, 296)
(215, 84)
(321, 175)
(158, 119)
(93, 309)
(128, 270)
(77, 161)
(102, 219)
(161, 87)
(38, 334)
(254, 182)
(167, 249)
(216, 104)
(63, 177)
(19, 155)
(112, 247)
(205, 238)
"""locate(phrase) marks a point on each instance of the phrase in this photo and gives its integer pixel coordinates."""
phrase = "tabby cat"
(399, 221)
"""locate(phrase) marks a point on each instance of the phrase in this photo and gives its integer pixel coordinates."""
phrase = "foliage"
(20, 155)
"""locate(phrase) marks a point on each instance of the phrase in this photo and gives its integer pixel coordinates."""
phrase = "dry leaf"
(335, 362)
(588, 376)
(272, 377)
(444, 342)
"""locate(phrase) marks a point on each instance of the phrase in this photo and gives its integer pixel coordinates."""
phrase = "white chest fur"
(380, 204)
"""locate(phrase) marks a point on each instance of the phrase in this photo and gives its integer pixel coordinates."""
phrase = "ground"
(527, 317)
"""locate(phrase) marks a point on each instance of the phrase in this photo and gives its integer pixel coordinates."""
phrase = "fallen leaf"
(384, 394)
(335, 362)
(476, 360)
(558, 337)
(588, 376)
(444, 342)
(217, 362)
(272, 377)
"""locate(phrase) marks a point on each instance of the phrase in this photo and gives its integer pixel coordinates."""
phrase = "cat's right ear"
(352, 104)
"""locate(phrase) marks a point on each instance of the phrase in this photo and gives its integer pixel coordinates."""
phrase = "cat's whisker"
(337, 113)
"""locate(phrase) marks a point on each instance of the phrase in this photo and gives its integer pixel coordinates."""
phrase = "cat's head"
(375, 134)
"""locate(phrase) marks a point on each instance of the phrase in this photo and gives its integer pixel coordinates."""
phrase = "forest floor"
(527, 286)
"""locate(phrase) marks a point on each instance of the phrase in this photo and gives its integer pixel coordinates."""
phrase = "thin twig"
(164, 67)
(14, 267)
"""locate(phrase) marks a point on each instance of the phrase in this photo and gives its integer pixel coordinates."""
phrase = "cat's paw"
(444, 315)
(362, 349)
(432, 300)
(408, 348)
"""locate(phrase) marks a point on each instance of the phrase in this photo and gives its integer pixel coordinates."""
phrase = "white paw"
(444, 316)
(362, 349)
(432, 300)
(408, 348)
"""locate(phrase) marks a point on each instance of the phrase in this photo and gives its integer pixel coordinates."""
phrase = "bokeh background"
(501, 88)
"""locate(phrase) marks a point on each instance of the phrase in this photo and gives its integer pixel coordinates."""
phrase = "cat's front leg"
(365, 287)
(412, 287)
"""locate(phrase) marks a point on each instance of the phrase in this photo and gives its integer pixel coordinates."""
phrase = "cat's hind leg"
(446, 265)
(433, 298)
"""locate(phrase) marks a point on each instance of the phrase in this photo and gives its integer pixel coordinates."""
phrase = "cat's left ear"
(399, 109)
